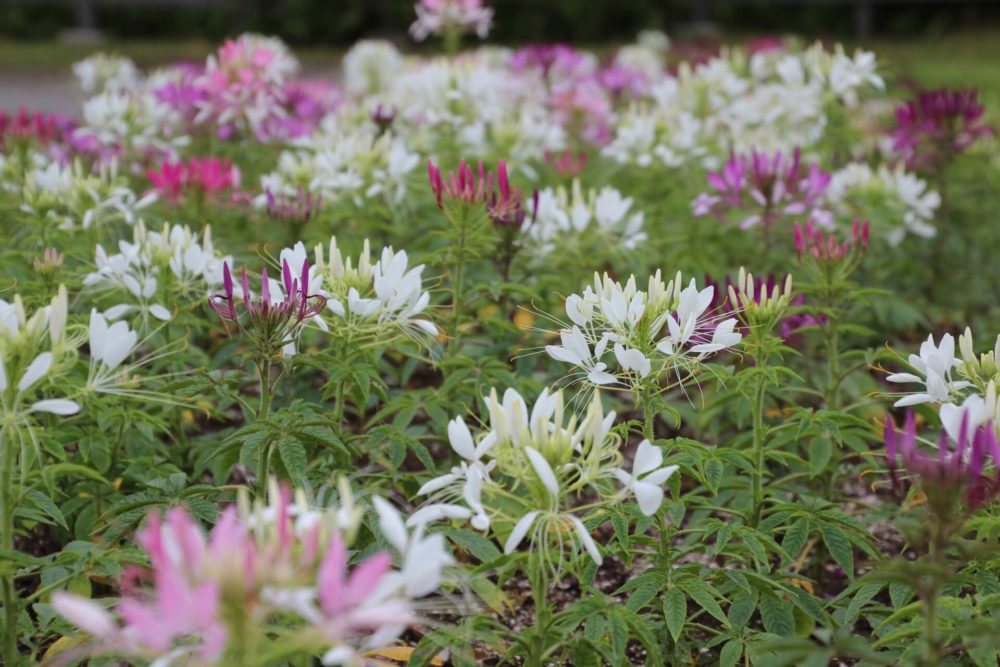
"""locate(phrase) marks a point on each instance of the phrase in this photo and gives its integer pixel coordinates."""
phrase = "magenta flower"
(764, 189)
(568, 163)
(443, 17)
(463, 186)
(273, 323)
(954, 472)
(506, 206)
(812, 242)
(383, 116)
(937, 125)
(298, 209)
(36, 126)
(206, 176)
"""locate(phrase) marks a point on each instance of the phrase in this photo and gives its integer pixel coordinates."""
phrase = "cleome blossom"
(668, 327)
(544, 458)
(933, 369)
(450, 17)
(215, 599)
(374, 298)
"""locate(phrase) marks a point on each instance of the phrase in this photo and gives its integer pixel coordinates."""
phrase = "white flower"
(934, 363)
(110, 345)
(575, 350)
(647, 477)
(973, 412)
(461, 441)
(632, 360)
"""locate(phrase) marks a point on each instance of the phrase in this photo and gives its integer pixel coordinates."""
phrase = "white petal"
(159, 312)
(649, 497)
(36, 370)
(437, 512)
(391, 524)
(587, 540)
(904, 377)
(912, 399)
(520, 530)
(56, 406)
(84, 614)
(543, 470)
(647, 457)
(461, 439)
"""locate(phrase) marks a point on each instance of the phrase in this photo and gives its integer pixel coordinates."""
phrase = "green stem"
(540, 592)
(458, 284)
(758, 443)
(833, 365)
(648, 415)
(264, 370)
(7, 507)
(933, 649)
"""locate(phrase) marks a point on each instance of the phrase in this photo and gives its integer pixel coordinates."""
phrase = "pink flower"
(936, 125)
(811, 242)
(37, 126)
(568, 163)
(272, 322)
(208, 176)
(439, 17)
(298, 209)
(954, 470)
(506, 207)
(766, 188)
(463, 186)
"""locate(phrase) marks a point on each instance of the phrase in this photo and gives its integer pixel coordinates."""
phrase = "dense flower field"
(665, 355)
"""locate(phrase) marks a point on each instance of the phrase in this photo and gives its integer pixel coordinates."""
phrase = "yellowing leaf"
(62, 644)
(398, 653)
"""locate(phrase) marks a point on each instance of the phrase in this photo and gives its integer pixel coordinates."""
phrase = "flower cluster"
(35, 127)
(937, 125)
(521, 477)
(156, 267)
(442, 17)
(895, 200)
(375, 297)
(563, 216)
(765, 189)
(343, 166)
(274, 319)
(669, 328)
(33, 349)
(214, 599)
(205, 177)
(952, 472)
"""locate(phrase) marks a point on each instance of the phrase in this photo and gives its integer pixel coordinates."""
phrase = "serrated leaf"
(839, 547)
(705, 597)
(776, 616)
(731, 653)
(675, 611)
(293, 456)
(795, 537)
(819, 454)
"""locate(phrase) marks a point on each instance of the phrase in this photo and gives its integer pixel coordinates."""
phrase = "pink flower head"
(440, 17)
(953, 471)
(812, 242)
(623, 82)
(298, 209)
(383, 116)
(765, 188)
(35, 126)
(568, 163)
(207, 176)
(937, 125)
(272, 322)
(463, 186)
(506, 207)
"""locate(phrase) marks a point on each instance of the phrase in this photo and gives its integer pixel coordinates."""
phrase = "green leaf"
(839, 546)
(731, 653)
(795, 537)
(675, 611)
(705, 595)
(293, 455)
(819, 454)
(474, 543)
(742, 608)
(776, 616)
